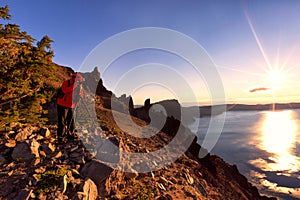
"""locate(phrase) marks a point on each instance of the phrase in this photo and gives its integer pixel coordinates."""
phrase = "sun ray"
(277, 59)
(286, 61)
(258, 40)
(238, 70)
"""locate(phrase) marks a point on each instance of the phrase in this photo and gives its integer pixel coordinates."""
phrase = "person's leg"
(71, 122)
(61, 120)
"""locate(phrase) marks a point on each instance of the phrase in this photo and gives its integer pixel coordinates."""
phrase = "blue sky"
(244, 57)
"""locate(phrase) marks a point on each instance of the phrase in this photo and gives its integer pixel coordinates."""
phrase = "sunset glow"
(203, 93)
(276, 77)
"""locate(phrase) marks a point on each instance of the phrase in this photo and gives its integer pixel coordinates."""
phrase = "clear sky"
(254, 44)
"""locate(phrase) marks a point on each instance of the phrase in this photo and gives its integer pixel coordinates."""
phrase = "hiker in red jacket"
(67, 101)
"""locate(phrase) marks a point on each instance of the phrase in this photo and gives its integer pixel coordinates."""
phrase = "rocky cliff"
(34, 165)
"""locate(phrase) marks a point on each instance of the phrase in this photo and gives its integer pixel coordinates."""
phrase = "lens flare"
(275, 77)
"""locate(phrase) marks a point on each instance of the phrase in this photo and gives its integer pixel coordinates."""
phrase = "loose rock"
(45, 132)
(10, 143)
(22, 152)
(96, 171)
(90, 190)
(48, 148)
(23, 134)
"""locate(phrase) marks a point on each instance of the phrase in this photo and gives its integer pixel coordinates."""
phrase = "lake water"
(265, 145)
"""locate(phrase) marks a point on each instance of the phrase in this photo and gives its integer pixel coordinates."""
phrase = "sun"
(275, 77)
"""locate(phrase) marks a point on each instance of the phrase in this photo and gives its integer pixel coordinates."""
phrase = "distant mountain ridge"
(275, 106)
(205, 111)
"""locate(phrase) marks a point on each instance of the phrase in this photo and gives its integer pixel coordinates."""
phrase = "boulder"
(108, 151)
(25, 152)
(96, 171)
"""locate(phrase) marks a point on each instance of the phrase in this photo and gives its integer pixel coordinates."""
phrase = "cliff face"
(34, 165)
(220, 175)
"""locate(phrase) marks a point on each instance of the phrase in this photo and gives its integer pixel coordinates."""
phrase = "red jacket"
(70, 88)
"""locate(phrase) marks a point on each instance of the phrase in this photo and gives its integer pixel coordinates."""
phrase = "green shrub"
(51, 180)
(117, 131)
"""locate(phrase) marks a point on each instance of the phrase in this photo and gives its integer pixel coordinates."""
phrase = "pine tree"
(26, 72)
(4, 13)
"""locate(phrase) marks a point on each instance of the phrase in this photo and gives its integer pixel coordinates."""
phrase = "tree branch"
(18, 98)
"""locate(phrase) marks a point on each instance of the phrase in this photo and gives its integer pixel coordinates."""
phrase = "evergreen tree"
(27, 74)
(4, 13)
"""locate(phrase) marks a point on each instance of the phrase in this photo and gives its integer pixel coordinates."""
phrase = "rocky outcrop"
(35, 165)
(141, 112)
(94, 84)
(40, 167)
(168, 108)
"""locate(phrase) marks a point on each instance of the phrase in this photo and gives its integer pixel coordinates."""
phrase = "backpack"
(60, 93)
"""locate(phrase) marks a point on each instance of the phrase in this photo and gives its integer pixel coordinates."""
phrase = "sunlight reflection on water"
(265, 145)
(277, 135)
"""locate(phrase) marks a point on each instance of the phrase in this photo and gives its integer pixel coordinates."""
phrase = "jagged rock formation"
(141, 112)
(94, 84)
(170, 108)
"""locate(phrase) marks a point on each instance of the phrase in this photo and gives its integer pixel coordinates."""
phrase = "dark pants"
(66, 125)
